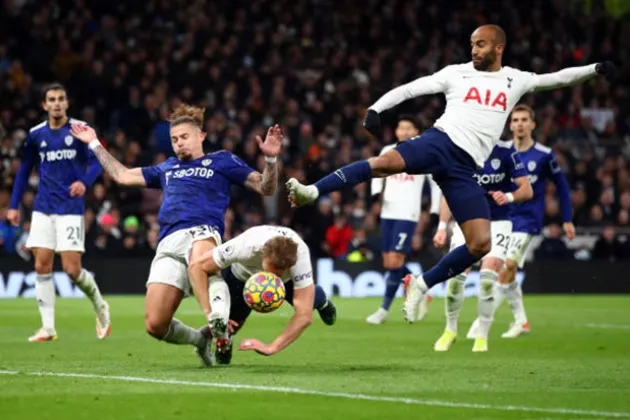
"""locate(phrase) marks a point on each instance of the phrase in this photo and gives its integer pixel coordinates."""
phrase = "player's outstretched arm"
(303, 317)
(575, 75)
(524, 191)
(119, 172)
(267, 182)
(426, 85)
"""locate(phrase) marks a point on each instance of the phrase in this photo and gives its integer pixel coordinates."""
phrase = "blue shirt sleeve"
(235, 169)
(94, 168)
(29, 158)
(564, 193)
(516, 166)
(153, 175)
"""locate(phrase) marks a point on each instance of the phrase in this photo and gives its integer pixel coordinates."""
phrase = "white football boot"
(301, 194)
(377, 317)
(43, 334)
(103, 322)
(516, 330)
(415, 289)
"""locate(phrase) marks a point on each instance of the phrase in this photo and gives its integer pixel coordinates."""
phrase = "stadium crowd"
(313, 66)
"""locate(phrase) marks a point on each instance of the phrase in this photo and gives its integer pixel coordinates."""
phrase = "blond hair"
(281, 252)
(185, 113)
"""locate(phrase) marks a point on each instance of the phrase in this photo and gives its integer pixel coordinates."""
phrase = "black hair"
(52, 86)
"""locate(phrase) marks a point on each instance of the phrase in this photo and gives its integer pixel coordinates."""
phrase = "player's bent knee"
(480, 245)
(72, 270)
(393, 261)
(388, 164)
(510, 265)
(155, 327)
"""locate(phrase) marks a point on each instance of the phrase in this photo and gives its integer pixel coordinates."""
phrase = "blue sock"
(346, 177)
(394, 278)
(320, 297)
(449, 266)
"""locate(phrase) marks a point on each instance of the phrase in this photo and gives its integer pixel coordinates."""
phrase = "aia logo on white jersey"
(487, 98)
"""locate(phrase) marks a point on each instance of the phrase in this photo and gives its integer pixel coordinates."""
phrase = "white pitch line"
(608, 326)
(290, 390)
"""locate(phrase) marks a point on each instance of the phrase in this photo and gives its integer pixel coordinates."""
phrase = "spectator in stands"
(608, 247)
(339, 236)
(552, 246)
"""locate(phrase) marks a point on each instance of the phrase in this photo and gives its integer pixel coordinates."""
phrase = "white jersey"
(478, 103)
(402, 195)
(244, 255)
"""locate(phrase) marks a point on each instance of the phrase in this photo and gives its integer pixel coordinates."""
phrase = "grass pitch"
(574, 365)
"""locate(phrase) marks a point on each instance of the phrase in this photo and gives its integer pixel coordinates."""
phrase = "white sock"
(219, 298)
(46, 297)
(500, 290)
(485, 306)
(86, 283)
(514, 295)
(180, 333)
(453, 300)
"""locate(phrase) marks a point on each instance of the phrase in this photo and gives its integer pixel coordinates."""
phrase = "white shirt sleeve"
(232, 251)
(302, 272)
(565, 77)
(436, 196)
(427, 85)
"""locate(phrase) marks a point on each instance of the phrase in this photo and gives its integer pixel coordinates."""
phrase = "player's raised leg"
(347, 177)
(162, 301)
(469, 206)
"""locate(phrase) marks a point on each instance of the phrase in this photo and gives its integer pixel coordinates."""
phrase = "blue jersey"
(542, 166)
(196, 192)
(503, 165)
(62, 161)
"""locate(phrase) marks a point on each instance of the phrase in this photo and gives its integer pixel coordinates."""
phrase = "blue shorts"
(396, 235)
(453, 170)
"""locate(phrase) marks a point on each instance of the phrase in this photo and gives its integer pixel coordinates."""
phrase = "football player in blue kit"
(502, 167)
(527, 218)
(66, 169)
(196, 194)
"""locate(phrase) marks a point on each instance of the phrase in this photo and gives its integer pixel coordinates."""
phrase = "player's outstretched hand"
(77, 189)
(13, 217)
(569, 230)
(272, 145)
(256, 345)
(83, 132)
(372, 123)
(439, 239)
(499, 197)
(609, 70)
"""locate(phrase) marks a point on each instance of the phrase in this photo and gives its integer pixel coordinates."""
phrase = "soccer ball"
(264, 292)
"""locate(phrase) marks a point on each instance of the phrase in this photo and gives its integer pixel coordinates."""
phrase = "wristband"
(271, 159)
(94, 144)
(442, 226)
(510, 197)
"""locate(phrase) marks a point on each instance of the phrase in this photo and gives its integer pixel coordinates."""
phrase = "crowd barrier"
(340, 278)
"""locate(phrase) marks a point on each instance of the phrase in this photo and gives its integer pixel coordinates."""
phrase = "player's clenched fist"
(372, 123)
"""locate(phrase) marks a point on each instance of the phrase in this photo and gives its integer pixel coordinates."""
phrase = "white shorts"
(170, 264)
(59, 232)
(500, 237)
(518, 247)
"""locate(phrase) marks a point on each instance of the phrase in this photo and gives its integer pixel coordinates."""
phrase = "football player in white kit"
(400, 213)
(278, 250)
(479, 97)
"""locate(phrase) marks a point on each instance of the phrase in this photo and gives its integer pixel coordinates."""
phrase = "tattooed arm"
(121, 174)
(265, 183)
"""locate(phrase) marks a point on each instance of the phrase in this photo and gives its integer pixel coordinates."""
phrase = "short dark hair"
(410, 119)
(52, 86)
